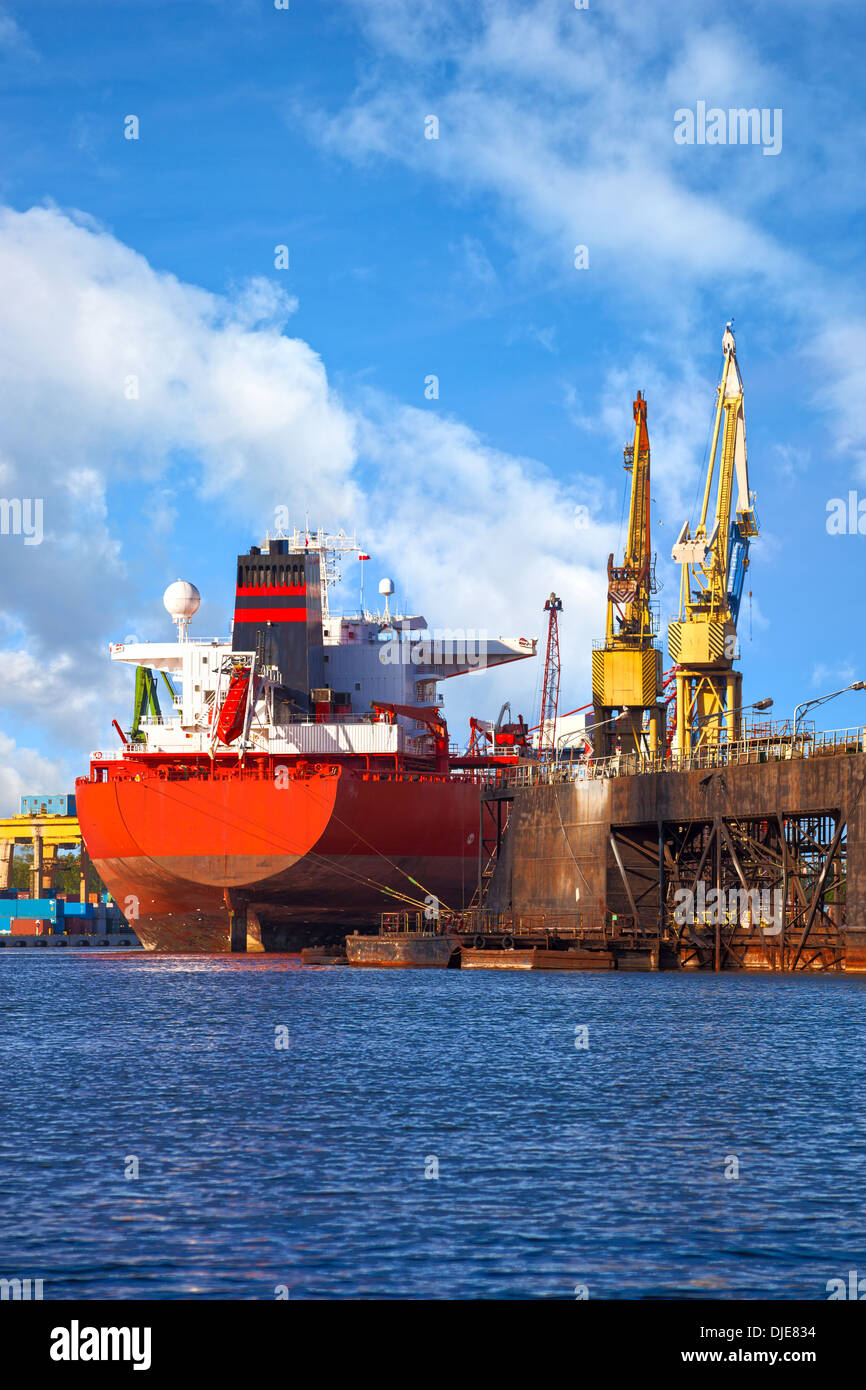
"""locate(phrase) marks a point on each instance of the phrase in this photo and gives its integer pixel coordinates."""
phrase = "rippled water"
(305, 1167)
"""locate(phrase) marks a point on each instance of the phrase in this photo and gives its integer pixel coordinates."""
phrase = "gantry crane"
(627, 670)
(703, 642)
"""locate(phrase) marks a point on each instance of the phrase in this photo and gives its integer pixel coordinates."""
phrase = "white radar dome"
(386, 586)
(182, 600)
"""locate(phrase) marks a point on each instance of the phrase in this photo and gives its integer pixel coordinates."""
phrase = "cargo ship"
(301, 780)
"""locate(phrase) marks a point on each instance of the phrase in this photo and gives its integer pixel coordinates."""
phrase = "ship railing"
(483, 776)
(228, 766)
(476, 922)
(292, 721)
(187, 642)
(365, 717)
(399, 923)
(595, 928)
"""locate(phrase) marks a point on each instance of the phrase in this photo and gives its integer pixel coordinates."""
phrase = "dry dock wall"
(610, 845)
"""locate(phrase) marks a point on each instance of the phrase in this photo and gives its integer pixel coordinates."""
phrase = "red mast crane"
(550, 688)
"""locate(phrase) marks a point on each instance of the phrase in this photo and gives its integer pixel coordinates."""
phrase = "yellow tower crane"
(627, 670)
(703, 642)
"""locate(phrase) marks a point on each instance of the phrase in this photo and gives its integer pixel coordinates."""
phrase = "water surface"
(304, 1167)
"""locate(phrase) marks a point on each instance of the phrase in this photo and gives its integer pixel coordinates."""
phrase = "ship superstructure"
(307, 679)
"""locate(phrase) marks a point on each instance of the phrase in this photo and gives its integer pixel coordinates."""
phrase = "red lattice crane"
(550, 688)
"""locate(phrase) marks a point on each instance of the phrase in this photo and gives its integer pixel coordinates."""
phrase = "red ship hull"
(190, 860)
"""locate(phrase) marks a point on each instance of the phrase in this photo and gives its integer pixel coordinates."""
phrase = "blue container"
(32, 907)
(62, 804)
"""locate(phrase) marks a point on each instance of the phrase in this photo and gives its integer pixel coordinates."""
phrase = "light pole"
(564, 739)
(801, 709)
(766, 703)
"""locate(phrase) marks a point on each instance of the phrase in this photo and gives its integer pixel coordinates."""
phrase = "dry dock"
(751, 855)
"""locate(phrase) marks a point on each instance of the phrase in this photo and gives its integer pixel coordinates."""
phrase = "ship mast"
(332, 548)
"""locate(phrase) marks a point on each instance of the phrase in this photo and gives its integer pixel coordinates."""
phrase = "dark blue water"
(305, 1167)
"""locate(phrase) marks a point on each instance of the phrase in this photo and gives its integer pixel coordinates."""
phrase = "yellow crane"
(627, 669)
(703, 641)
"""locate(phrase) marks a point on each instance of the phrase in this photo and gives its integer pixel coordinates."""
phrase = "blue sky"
(408, 257)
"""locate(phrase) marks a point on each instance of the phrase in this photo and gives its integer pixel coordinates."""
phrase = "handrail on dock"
(485, 922)
(773, 747)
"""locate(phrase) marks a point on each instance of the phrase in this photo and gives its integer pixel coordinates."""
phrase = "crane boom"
(630, 585)
(637, 550)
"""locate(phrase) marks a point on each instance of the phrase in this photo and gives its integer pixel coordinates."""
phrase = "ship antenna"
(386, 588)
(181, 601)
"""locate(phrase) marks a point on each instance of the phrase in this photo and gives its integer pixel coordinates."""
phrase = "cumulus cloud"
(141, 366)
(22, 769)
(566, 124)
(570, 126)
(481, 537)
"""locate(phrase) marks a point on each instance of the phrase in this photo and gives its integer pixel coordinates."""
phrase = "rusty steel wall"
(558, 857)
(554, 856)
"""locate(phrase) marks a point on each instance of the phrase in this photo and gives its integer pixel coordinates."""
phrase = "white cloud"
(839, 349)
(24, 770)
(478, 266)
(571, 129)
(141, 365)
(839, 675)
(481, 538)
(14, 41)
(566, 124)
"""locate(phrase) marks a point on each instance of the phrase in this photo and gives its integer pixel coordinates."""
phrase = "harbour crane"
(627, 670)
(550, 684)
(487, 737)
(714, 561)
